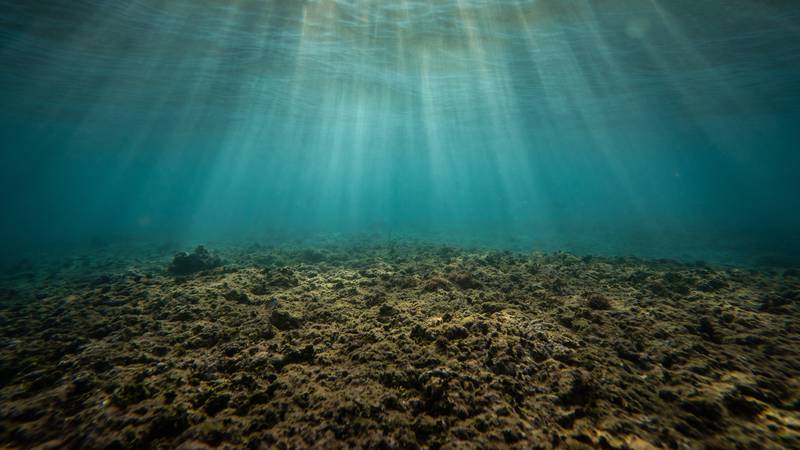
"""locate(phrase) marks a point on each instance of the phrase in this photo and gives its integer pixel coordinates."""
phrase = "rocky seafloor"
(396, 345)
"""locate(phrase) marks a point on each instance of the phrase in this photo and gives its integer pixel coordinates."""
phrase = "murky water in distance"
(657, 128)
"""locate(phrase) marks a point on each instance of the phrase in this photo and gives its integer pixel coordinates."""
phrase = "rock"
(628, 351)
(188, 263)
(387, 311)
(774, 303)
(294, 356)
(676, 283)
(750, 340)
(216, 403)
(707, 411)
(638, 277)
(283, 320)
(238, 297)
(129, 394)
(374, 299)
(567, 420)
(556, 286)
(742, 406)
(168, 423)
(436, 284)
(80, 384)
(464, 280)
(418, 332)
(456, 332)
(712, 285)
(706, 328)
(582, 391)
(492, 307)
(512, 436)
(281, 278)
(597, 301)
(667, 395)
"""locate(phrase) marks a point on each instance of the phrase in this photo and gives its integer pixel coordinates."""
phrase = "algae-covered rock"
(283, 321)
(598, 301)
(188, 263)
(424, 349)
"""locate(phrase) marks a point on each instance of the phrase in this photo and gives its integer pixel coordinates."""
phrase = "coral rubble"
(403, 346)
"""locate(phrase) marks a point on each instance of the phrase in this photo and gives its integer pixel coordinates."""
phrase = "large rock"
(187, 263)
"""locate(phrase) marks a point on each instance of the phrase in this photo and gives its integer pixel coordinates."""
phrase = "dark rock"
(750, 340)
(706, 410)
(667, 395)
(492, 307)
(626, 350)
(567, 420)
(597, 301)
(436, 284)
(494, 259)
(187, 263)
(281, 278)
(464, 280)
(775, 303)
(387, 311)
(456, 332)
(304, 355)
(418, 332)
(375, 299)
(80, 385)
(638, 277)
(512, 436)
(261, 397)
(706, 328)
(658, 289)
(582, 391)
(557, 286)
(742, 406)
(167, 423)
(238, 297)
(284, 321)
(712, 285)
(216, 403)
(129, 394)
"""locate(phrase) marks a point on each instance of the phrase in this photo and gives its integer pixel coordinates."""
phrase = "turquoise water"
(648, 127)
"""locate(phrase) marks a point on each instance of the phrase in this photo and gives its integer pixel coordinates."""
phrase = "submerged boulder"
(284, 321)
(187, 263)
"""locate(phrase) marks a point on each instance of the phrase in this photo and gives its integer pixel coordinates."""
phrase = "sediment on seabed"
(397, 346)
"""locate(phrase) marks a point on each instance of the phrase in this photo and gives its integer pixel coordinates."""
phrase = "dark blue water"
(648, 127)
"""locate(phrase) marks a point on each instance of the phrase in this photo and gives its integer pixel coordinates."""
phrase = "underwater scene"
(434, 224)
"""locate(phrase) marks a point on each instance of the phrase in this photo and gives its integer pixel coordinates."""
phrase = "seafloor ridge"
(396, 345)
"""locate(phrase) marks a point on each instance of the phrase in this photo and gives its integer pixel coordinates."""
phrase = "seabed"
(395, 345)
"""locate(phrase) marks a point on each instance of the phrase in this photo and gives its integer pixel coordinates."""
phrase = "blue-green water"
(649, 127)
